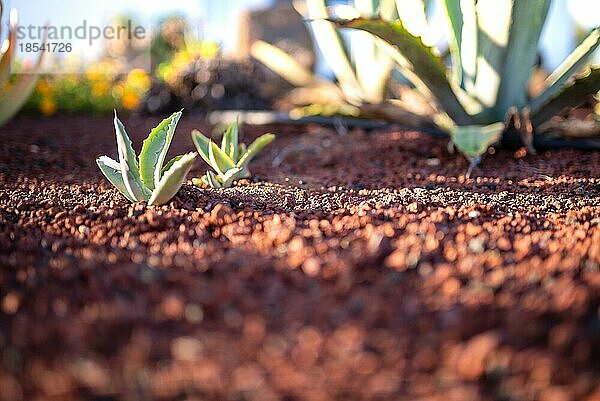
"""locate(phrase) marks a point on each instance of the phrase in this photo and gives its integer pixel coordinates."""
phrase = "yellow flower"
(130, 100)
(48, 106)
(100, 71)
(139, 79)
(44, 87)
(93, 75)
(100, 89)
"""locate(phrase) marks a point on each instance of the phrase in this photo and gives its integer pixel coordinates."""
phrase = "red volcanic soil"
(350, 267)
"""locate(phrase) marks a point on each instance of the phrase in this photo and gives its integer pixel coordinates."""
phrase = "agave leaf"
(154, 150)
(128, 163)
(575, 94)
(13, 98)
(332, 49)
(172, 180)
(219, 159)
(388, 9)
(229, 144)
(199, 182)
(462, 19)
(282, 64)
(202, 145)
(425, 64)
(412, 15)
(211, 180)
(112, 171)
(254, 148)
(229, 176)
(572, 64)
(468, 45)
(169, 164)
(455, 21)
(241, 150)
(474, 140)
(527, 21)
(8, 47)
(372, 64)
(493, 18)
(373, 67)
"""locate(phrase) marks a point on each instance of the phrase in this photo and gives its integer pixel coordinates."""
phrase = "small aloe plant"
(230, 161)
(149, 180)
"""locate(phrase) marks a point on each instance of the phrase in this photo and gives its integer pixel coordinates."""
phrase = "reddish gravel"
(364, 267)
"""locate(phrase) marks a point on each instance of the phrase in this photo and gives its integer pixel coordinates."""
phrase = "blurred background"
(202, 55)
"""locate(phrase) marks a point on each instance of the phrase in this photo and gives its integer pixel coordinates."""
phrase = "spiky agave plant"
(14, 93)
(493, 52)
(230, 161)
(361, 68)
(149, 180)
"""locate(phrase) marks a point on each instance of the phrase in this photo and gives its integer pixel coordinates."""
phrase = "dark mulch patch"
(363, 267)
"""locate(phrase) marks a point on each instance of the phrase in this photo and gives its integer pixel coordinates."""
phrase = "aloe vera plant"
(230, 161)
(149, 180)
(493, 53)
(14, 92)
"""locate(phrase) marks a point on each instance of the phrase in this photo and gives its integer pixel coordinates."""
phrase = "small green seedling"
(150, 181)
(230, 161)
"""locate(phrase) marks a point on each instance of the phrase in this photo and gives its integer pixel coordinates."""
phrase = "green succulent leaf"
(474, 140)
(112, 171)
(215, 181)
(8, 48)
(282, 64)
(332, 48)
(169, 164)
(219, 160)
(230, 161)
(211, 180)
(230, 176)
(172, 180)
(229, 144)
(202, 144)
(372, 63)
(154, 150)
(13, 98)
(128, 163)
(244, 173)
(572, 64)
(462, 18)
(455, 20)
(254, 148)
(526, 23)
(429, 68)
(583, 86)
